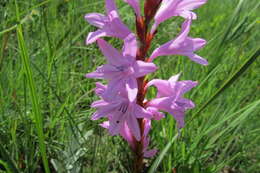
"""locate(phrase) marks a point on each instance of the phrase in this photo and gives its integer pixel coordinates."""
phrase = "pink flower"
(170, 97)
(110, 25)
(135, 5)
(170, 8)
(182, 45)
(121, 114)
(122, 69)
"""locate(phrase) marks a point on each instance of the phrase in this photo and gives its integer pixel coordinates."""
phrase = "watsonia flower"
(170, 97)
(121, 69)
(119, 111)
(170, 8)
(110, 25)
(182, 45)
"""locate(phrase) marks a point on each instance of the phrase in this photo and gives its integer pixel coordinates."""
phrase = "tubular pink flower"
(110, 25)
(182, 45)
(120, 113)
(170, 8)
(170, 97)
(135, 5)
(122, 69)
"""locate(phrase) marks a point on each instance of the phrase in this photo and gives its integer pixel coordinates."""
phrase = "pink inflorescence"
(122, 101)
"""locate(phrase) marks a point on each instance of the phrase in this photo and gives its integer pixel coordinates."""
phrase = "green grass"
(45, 98)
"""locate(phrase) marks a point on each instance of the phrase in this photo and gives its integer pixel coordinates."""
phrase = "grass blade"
(230, 81)
(9, 164)
(35, 102)
(159, 159)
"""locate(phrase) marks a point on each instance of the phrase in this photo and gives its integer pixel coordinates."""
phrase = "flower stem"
(142, 28)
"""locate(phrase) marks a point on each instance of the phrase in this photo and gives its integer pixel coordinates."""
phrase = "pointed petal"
(135, 5)
(185, 29)
(93, 36)
(103, 110)
(105, 124)
(131, 88)
(95, 74)
(105, 71)
(99, 103)
(143, 68)
(186, 103)
(126, 134)
(140, 112)
(163, 87)
(163, 103)
(179, 117)
(188, 15)
(133, 126)
(111, 7)
(130, 46)
(100, 89)
(112, 55)
(147, 127)
(156, 114)
(181, 87)
(96, 19)
(116, 123)
(198, 59)
(114, 86)
(174, 78)
(190, 4)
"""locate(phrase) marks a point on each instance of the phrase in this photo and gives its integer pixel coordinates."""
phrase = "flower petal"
(116, 122)
(134, 126)
(131, 88)
(163, 103)
(113, 88)
(93, 36)
(96, 19)
(179, 117)
(198, 59)
(126, 134)
(105, 124)
(162, 86)
(105, 71)
(135, 5)
(174, 78)
(100, 89)
(156, 114)
(190, 4)
(147, 127)
(111, 7)
(181, 87)
(130, 46)
(140, 112)
(112, 55)
(143, 68)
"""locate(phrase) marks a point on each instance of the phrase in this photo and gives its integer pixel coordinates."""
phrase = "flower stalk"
(123, 100)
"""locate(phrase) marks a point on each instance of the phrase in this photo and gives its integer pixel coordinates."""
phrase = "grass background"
(45, 99)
